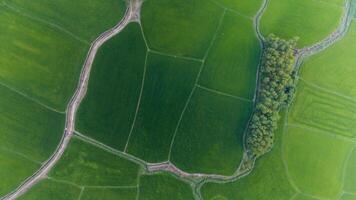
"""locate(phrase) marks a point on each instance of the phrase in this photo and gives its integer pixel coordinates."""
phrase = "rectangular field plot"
(85, 19)
(187, 28)
(109, 194)
(163, 186)
(248, 8)
(267, 181)
(311, 21)
(50, 190)
(38, 59)
(15, 169)
(168, 84)
(232, 62)
(209, 138)
(87, 165)
(27, 127)
(350, 176)
(108, 110)
(334, 69)
(323, 110)
(316, 161)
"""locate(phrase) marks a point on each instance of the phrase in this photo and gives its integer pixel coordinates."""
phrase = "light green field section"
(350, 174)
(348, 197)
(168, 84)
(163, 187)
(86, 165)
(243, 7)
(232, 63)
(27, 127)
(50, 190)
(108, 111)
(304, 197)
(311, 21)
(15, 168)
(324, 110)
(109, 194)
(267, 181)
(209, 138)
(316, 161)
(334, 67)
(180, 27)
(86, 19)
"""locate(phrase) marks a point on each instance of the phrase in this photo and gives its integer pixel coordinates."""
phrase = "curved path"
(131, 14)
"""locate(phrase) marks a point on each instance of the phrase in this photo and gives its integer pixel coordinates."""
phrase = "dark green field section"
(350, 174)
(15, 168)
(180, 27)
(86, 165)
(50, 190)
(109, 194)
(86, 19)
(209, 138)
(267, 181)
(311, 21)
(232, 63)
(45, 62)
(243, 7)
(348, 197)
(168, 84)
(108, 111)
(163, 187)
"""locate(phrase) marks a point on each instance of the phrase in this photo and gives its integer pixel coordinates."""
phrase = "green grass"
(27, 127)
(85, 18)
(304, 197)
(44, 63)
(209, 138)
(267, 181)
(232, 62)
(348, 197)
(49, 190)
(87, 165)
(244, 7)
(163, 187)
(181, 27)
(109, 194)
(311, 21)
(323, 110)
(14, 170)
(316, 161)
(108, 110)
(334, 66)
(350, 176)
(168, 84)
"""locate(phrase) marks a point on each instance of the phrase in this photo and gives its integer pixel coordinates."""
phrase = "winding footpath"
(131, 14)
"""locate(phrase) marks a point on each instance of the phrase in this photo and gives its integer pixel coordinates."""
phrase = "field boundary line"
(24, 156)
(294, 195)
(175, 56)
(231, 10)
(196, 82)
(223, 93)
(33, 100)
(23, 13)
(64, 182)
(81, 193)
(138, 102)
(328, 3)
(344, 170)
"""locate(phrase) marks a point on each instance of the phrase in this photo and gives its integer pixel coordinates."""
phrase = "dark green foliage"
(276, 89)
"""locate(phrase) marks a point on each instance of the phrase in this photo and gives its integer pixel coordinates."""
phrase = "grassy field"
(348, 197)
(267, 181)
(350, 174)
(232, 62)
(108, 110)
(188, 26)
(248, 8)
(109, 194)
(168, 84)
(311, 21)
(45, 62)
(49, 190)
(10, 179)
(209, 138)
(86, 165)
(336, 61)
(163, 187)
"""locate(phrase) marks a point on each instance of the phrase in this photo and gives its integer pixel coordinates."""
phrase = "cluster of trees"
(276, 89)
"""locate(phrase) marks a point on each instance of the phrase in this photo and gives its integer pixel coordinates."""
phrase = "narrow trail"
(131, 14)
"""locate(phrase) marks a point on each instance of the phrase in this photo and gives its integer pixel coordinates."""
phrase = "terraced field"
(171, 91)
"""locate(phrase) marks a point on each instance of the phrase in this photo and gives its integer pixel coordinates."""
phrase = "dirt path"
(130, 15)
